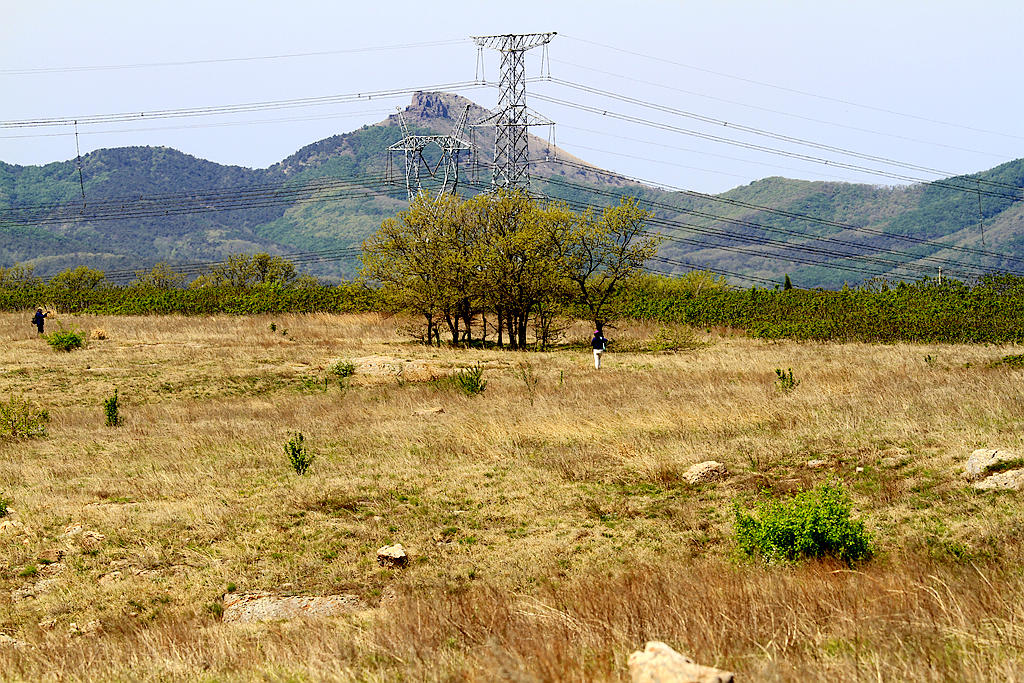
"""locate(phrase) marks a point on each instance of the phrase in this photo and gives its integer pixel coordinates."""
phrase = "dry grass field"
(549, 528)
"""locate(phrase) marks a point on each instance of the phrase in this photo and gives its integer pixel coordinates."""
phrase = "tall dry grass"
(550, 528)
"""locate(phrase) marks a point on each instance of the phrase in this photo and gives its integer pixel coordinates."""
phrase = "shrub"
(342, 370)
(66, 339)
(3, 505)
(470, 380)
(110, 410)
(813, 524)
(299, 457)
(20, 419)
(785, 380)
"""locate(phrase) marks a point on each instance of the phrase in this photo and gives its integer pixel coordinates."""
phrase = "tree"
(243, 270)
(787, 284)
(161, 276)
(410, 257)
(602, 254)
(77, 279)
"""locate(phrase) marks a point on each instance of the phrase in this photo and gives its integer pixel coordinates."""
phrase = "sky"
(697, 95)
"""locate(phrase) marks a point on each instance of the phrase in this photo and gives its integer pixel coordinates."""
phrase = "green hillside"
(147, 204)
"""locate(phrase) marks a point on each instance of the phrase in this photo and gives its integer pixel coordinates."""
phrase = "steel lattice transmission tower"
(512, 120)
(446, 168)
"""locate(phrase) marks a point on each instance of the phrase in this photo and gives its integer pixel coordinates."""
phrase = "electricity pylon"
(512, 119)
(447, 166)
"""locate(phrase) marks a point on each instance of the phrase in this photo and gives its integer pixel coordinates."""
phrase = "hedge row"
(929, 311)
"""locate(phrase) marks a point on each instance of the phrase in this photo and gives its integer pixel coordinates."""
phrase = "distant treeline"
(990, 310)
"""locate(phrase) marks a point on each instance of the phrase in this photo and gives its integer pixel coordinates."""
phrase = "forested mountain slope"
(147, 204)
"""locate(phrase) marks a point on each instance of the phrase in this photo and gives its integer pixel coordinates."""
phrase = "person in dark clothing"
(600, 345)
(39, 318)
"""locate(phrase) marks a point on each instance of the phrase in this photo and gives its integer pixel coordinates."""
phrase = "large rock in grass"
(658, 663)
(392, 556)
(1011, 480)
(984, 460)
(705, 472)
(249, 607)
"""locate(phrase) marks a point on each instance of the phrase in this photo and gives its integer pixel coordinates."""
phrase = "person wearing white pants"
(600, 344)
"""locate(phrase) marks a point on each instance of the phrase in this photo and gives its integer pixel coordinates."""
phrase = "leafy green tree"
(19, 275)
(160, 276)
(77, 279)
(602, 254)
(244, 270)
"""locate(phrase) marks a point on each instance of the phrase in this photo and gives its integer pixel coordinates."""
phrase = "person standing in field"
(600, 345)
(39, 318)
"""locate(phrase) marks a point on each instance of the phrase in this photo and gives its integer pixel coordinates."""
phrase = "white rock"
(704, 472)
(1011, 480)
(392, 556)
(816, 463)
(14, 643)
(980, 460)
(658, 663)
(250, 607)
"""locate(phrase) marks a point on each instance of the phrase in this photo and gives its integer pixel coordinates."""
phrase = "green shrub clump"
(299, 457)
(3, 505)
(812, 525)
(470, 380)
(20, 419)
(785, 380)
(66, 339)
(110, 406)
(342, 370)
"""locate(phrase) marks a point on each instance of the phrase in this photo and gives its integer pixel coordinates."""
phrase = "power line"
(224, 60)
(796, 215)
(779, 112)
(237, 108)
(777, 136)
(796, 91)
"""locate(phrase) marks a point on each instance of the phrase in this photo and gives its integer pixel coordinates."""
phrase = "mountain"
(128, 208)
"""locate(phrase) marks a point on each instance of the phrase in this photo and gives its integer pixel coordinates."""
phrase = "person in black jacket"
(39, 318)
(600, 345)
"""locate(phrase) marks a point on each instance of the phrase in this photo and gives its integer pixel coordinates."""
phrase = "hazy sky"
(930, 83)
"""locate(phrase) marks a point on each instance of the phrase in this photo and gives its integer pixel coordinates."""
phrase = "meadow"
(549, 526)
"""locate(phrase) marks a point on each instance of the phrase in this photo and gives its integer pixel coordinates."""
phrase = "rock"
(7, 641)
(249, 607)
(859, 469)
(1011, 480)
(982, 459)
(704, 472)
(658, 663)
(816, 463)
(110, 578)
(48, 624)
(11, 526)
(392, 556)
(72, 530)
(52, 556)
(90, 628)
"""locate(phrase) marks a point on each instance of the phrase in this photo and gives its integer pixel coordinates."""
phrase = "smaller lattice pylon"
(444, 171)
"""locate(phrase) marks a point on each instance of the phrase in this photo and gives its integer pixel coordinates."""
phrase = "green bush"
(342, 370)
(3, 505)
(20, 419)
(299, 457)
(785, 380)
(470, 380)
(110, 406)
(66, 339)
(812, 525)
